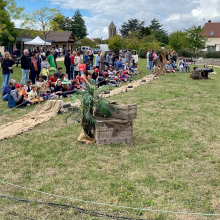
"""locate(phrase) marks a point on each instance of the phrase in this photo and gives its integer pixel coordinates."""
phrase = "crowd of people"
(172, 64)
(42, 80)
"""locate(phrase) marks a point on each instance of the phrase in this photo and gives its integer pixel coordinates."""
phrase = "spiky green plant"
(91, 98)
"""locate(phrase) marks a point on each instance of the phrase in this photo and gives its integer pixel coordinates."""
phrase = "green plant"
(215, 54)
(142, 53)
(90, 100)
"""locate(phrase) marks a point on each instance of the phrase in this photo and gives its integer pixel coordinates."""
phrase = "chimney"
(209, 21)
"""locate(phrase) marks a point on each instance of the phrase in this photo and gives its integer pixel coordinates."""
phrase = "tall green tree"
(157, 29)
(195, 39)
(76, 24)
(114, 42)
(129, 26)
(42, 21)
(8, 11)
(178, 40)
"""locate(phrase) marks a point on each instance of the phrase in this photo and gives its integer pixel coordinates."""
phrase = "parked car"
(85, 48)
(96, 50)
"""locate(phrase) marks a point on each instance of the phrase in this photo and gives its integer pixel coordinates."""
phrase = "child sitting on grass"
(23, 92)
(33, 94)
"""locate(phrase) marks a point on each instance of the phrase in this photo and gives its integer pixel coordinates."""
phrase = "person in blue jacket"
(7, 89)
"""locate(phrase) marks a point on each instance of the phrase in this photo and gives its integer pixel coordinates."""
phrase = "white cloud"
(174, 15)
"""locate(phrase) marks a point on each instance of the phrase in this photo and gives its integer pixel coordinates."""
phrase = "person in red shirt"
(53, 79)
(72, 62)
(82, 67)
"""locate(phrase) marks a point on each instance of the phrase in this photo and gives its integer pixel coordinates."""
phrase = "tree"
(8, 10)
(42, 21)
(133, 41)
(144, 31)
(114, 42)
(160, 34)
(129, 26)
(88, 42)
(195, 40)
(178, 40)
(76, 24)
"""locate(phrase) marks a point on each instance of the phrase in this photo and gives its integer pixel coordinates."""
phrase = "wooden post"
(38, 97)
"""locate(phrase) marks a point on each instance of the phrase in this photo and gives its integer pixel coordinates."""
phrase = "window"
(212, 33)
(211, 48)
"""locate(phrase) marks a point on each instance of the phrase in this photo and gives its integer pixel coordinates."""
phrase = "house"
(57, 39)
(211, 30)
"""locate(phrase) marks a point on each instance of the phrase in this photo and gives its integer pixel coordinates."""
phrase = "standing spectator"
(168, 56)
(86, 57)
(45, 68)
(55, 58)
(108, 58)
(25, 66)
(116, 53)
(50, 59)
(0, 57)
(113, 60)
(42, 52)
(39, 60)
(102, 62)
(72, 58)
(91, 57)
(67, 63)
(34, 68)
(97, 60)
(174, 56)
(64, 51)
(135, 58)
(148, 62)
(128, 57)
(123, 61)
(77, 61)
(151, 59)
(34, 51)
(154, 58)
(7, 66)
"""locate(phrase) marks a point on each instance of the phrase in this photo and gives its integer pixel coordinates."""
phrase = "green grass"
(173, 163)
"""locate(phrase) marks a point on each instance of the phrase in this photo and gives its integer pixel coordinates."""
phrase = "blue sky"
(98, 14)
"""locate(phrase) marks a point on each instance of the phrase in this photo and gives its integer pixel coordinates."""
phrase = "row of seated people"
(59, 86)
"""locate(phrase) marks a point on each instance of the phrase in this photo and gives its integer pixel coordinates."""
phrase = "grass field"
(173, 164)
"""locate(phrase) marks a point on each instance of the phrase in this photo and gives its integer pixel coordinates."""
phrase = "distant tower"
(112, 30)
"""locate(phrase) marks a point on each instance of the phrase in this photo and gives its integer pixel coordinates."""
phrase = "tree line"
(132, 34)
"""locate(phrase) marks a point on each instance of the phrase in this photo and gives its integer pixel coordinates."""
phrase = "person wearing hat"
(14, 98)
(67, 63)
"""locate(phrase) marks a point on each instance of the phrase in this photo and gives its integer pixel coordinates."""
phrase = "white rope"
(109, 205)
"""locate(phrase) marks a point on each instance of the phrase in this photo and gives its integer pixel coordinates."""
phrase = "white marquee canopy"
(37, 41)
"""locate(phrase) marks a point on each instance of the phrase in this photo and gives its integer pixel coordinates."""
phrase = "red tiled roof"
(211, 27)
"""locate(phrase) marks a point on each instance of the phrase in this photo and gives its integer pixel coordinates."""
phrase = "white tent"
(37, 41)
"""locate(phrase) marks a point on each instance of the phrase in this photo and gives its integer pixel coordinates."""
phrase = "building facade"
(57, 39)
(112, 30)
(211, 30)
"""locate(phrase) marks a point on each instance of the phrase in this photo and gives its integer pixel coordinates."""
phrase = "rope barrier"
(81, 210)
(16, 214)
(109, 205)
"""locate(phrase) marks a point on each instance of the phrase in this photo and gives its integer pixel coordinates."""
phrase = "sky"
(98, 14)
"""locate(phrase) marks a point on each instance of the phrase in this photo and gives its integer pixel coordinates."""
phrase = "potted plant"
(91, 99)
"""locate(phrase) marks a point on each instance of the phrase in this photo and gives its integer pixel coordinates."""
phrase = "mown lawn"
(173, 164)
